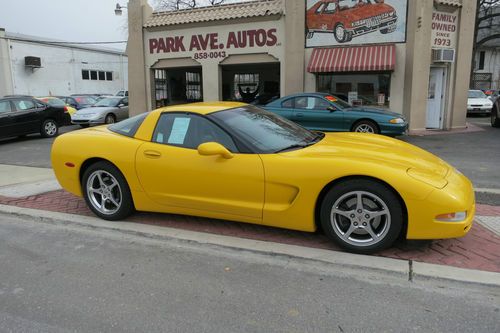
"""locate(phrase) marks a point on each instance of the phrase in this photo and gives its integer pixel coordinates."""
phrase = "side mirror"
(121, 105)
(331, 108)
(214, 148)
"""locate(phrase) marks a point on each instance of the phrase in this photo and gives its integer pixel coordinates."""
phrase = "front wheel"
(365, 126)
(341, 34)
(106, 192)
(362, 216)
(49, 128)
(110, 119)
(495, 120)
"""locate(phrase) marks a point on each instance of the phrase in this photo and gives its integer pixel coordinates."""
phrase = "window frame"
(237, 143)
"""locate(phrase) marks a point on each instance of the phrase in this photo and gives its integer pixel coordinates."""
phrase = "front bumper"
(393, 129)
(389, 23)
(456, 196)
(90, 121)
(479, 109)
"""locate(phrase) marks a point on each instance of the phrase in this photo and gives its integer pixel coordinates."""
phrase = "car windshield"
(338, 101)
(266, 132)
(476, 94)
(85, 100)
(108, 102)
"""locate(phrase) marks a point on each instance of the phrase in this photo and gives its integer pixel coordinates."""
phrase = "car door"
(122, 111)
(315, 113)
(6, 123)
(26, 117)
(173, 173)
(285, 109)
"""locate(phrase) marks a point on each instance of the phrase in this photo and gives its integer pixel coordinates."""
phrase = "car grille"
(476, 105)
(376, 20)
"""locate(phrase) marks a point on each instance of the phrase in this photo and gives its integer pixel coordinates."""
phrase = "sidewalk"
(479, 250)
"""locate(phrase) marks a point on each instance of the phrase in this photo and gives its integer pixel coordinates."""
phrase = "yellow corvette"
(237, 162)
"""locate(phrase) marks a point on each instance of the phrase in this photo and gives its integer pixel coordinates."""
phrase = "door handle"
(300, 114)
(152, 153)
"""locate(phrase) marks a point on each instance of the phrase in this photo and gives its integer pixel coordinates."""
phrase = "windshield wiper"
(295, 146)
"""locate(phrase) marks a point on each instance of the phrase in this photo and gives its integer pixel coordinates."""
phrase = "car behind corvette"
(238, 162)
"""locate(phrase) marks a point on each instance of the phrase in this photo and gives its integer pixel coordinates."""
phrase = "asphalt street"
(57, 278)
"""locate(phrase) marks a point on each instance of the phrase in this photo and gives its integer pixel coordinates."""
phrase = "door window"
(5, 107)
(190, 131)
(288, 103)
(311, 103)
(24, 104)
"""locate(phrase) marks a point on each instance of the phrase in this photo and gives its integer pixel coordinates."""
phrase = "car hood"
(375, 110)
(97, 109)
(478, 101)
(376, 148)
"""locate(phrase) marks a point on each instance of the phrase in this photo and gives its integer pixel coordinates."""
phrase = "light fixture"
(118, 9)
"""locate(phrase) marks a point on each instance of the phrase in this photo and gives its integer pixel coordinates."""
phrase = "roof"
(61, 43)
(201, 107)
(216, 13)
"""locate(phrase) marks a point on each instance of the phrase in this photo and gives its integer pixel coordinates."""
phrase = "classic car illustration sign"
(344, 22)
(444, 30)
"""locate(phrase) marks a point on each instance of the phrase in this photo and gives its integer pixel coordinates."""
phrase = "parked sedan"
(78, 102)
(54, 101)
(325, 112)
(26, 115)
(106, 111)
(235, 161)
(478, 102)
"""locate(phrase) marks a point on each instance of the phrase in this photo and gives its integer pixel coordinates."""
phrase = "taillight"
(65, 109)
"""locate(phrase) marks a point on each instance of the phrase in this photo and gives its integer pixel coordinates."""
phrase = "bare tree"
(186, 4)
(486, 29)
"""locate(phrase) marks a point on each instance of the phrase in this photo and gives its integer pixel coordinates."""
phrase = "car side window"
(320, 9)
(288, 103)
(330, 8)
(125, 101)
(311, 103)
(24, 104)
(5, 106)
(190, 131)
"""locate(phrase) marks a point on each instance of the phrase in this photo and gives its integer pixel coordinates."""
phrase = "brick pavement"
(480, 249)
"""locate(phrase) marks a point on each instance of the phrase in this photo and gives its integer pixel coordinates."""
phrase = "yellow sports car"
(238, 162)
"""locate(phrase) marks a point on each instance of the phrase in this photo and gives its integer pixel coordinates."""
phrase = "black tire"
(113, 186)
(309, 34)
(365, 126)
(346, 37)
(49, 128)
(495, 119)
(110, 119)
(386, 228)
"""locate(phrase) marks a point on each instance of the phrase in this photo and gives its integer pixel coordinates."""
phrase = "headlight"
(490, 104)
(452, 217)
(397, 121)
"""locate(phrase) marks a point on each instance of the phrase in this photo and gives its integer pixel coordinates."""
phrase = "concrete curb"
(408, 270)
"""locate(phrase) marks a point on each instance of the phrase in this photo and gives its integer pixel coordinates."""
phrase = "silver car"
(106, 111)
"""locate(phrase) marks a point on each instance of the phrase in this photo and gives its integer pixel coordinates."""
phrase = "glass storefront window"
(367, 88)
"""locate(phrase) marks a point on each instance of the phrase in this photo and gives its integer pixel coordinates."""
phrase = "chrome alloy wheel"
(364, 128)
(104, 192)
(360, 218)
(50, 128)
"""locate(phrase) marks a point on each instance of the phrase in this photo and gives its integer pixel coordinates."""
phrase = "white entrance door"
(435, 98)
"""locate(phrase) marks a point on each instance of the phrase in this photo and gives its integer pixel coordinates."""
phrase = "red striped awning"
(353, 59)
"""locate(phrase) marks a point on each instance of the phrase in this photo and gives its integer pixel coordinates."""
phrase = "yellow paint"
(278, 190)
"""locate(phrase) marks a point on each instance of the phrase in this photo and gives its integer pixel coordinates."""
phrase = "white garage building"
(34, 66)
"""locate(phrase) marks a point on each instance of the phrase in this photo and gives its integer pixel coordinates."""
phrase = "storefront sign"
(344, 22)
(444, 30)
(211, 45)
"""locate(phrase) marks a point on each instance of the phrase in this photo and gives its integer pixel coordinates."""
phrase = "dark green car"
(325, 112)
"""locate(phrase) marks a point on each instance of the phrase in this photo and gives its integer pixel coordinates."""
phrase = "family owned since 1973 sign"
(444, 30)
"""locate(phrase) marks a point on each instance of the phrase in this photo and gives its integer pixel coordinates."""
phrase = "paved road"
(66, 279)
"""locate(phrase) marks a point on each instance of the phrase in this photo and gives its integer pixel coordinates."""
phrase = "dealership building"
(412, 57)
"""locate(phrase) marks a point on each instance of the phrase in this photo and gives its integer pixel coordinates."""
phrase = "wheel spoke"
(114, 202)
(372, 233)
(345, 213)
(374, 214)
(359, 201)
(99, 177)
(94, 190)
(349, 231)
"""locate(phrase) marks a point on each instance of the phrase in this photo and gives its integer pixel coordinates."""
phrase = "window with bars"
(246, 83)
(193, 86)
(161, 88)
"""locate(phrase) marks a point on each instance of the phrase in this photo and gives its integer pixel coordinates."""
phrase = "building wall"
(5, 70)
(61, 72)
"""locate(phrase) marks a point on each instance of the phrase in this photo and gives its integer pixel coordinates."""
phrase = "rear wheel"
(495, 120)
(110, 119)
(49, 128)
(365, 126)
(106, 191)
(362, 216)
(341, 34)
